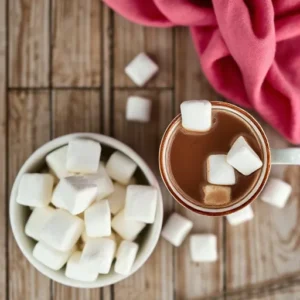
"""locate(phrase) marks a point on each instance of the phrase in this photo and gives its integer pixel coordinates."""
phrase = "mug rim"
(171, 188)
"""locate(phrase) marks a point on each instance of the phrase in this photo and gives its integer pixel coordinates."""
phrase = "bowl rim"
(103, 140)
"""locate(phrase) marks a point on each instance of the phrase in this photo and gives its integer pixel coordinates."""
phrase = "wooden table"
(62, 70)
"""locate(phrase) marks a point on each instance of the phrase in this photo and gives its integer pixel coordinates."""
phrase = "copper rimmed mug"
(288, 156)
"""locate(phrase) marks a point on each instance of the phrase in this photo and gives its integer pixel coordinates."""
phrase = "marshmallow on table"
(35, 190)
(196, 115)
(97, 219)
(83, 156)
(243, 215)
(127, 229)
(62, 230)
(126, 255)
(80, 271)
(217, 195)
(203, 247)
(76, 193)
(117, 199)
(37, 220)
(98, 254)
(176, 229)
(120, 167)
(243, 158)
(141, 69)
(141, 202)
(276, 192)
(138, 109)
(56, 162)
(219, 171)
(50, 257)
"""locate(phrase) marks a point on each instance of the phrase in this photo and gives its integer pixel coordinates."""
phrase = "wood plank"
(76, 45)
(154, 280)
(75, 111)
(131, 39)
(195, 280)
(3, 153)
(28, 43)
(269, 246)
(28, 123)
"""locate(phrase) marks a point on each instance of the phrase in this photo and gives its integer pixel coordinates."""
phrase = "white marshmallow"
(113, 236)
(138, 109)
(196, 115)
(243, 215)
(35, 190)
(117, 199)
(276, 192)
(83, 156)
(80, 271)
(56, 162)
(50, 257)
(217, 195)
(62, 230)
(120, 167)
(176, 229)
(219, 171)
(140, 205)
(97, 219)
(76, 193)
(126, 255)
(203, 247)
(98, 254)
(243, 158)
(141, 69)
(37, 220)
(127, 229)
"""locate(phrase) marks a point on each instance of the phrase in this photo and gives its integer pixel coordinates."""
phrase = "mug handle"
(287, 156)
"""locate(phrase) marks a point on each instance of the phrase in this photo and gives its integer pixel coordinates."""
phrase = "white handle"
(288, 156)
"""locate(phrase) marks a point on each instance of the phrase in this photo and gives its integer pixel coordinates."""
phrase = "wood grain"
(28, 43)
(195, 280)
(131, 39)
(76, 43)
(28, 124)
(155, 279)
(75, 111)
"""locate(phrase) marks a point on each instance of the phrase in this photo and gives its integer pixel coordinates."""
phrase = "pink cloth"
(249, 50)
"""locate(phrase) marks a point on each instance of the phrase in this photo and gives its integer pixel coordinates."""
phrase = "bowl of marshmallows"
(86, 210)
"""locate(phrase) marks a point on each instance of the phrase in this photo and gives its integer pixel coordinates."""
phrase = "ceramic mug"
(290, 156)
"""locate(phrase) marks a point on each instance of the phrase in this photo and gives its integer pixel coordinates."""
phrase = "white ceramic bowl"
(19, 214)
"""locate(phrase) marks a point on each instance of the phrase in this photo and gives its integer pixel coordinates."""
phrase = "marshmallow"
(35, 190)
(196, 115)
(113, 236)
(141, 69)
(176, 229)
(117, 199)
(80, 271)
(140, 205)
(58, 198)
(138, 109)
(56, 162)
(97, 219)
(76, 192)
(203, 247)
(276, 192)
(127, 229)
(83, 156)
(243, 158)
(62, 230)
(243, 215)
(37, 220)
(98, 254)
(126, 255)
(219, 171)
(50, 257)
(120, 167)
(216, 195)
